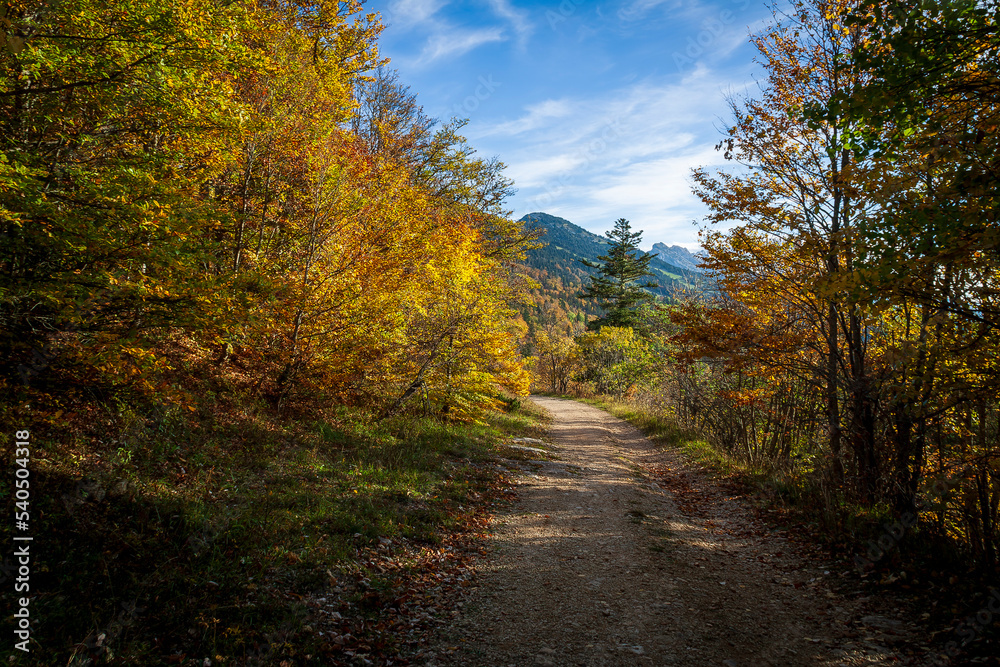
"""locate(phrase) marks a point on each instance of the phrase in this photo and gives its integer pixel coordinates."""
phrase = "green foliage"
(618, 287)
(109, 119)
(615, 359)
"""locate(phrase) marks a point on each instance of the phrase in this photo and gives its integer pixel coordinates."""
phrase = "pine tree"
(618, 287)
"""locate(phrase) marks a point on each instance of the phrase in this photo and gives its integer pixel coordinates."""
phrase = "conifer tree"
(618, 288)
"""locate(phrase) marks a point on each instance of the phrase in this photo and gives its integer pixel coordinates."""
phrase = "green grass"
(214, 530)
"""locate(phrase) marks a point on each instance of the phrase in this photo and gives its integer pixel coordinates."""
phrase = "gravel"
(597, 564)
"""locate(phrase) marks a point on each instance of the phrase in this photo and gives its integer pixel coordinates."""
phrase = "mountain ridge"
(674, 263)
(678, 256)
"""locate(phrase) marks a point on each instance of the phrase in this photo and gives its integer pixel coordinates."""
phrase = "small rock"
(882, 623)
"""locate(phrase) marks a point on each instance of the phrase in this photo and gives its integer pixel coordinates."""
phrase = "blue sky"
(599, 109)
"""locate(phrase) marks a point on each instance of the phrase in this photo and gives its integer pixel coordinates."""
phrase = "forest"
(255, 315)
(246, 175)
(264, 322)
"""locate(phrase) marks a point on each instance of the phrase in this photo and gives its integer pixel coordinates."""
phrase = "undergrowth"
(164, 536)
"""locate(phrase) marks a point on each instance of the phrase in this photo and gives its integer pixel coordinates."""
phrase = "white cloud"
(443, 38)
(518, 19)
(455, 43)
(655, 194)
(537, 173)
(409, 13)
(627, 153)
(538, 115)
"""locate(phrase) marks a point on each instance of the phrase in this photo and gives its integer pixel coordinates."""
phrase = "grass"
(664, 430)
(168, 538)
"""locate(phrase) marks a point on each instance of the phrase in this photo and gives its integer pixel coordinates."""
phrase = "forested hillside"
(556, 266)
(255, 307)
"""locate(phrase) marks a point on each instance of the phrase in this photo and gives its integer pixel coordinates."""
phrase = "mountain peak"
(559, 230)
(568, 243)
(678, 256)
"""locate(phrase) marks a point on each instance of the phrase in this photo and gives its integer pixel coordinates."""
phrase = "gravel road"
(606, 560)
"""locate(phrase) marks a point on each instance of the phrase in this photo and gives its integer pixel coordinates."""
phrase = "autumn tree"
(930, 113)
(249, 176)
(112, 118)
(862, 267)
(803, 196)
(558, 358)
(614, 359)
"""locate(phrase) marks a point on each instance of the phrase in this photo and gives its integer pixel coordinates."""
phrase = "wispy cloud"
(600, 118)
(537, 116)
(628, 152)
(443, 38)
(456, 42)
(538, 173)
(518, 19)
(405, 14)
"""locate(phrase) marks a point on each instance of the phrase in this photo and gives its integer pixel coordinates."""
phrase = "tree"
(617, 287)
(863, 264)
(931, 112)
(229, 173)
(615, 359)
(112, 114)
(802, 196)
(558, 358)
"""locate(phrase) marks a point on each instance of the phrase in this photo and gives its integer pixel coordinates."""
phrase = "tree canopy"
(249, 177)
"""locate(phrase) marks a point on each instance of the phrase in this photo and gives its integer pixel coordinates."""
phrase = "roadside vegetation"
(245, 536)
(255, 330)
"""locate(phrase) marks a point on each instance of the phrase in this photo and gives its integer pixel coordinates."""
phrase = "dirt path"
(603, 561)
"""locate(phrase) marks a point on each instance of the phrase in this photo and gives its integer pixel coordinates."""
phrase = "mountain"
(677, 256)
(556, 267)
(567, 244)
